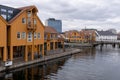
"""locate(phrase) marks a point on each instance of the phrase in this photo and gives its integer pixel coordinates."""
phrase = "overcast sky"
(76, 14)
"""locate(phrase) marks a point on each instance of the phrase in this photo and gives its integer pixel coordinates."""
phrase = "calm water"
(92, 64)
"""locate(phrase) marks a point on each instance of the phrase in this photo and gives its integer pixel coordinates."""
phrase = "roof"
(3, 19)
(70, 32)
(105, 33)
(22, 10)
(49, 29)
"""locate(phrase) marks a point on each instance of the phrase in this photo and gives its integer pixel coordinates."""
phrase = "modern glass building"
(57, 24)
(8, 12)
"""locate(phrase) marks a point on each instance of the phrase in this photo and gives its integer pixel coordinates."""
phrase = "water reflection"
(91, 64)
(41, 72)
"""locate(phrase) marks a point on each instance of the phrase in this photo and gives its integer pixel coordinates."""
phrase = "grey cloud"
(82, 12)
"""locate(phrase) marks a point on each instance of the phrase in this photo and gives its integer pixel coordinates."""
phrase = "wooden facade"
(51, 39)
(22, 36)
(3, 39)
(88, 36)
(73, 36)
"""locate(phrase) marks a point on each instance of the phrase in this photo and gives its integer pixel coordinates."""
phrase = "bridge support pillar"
(118, 45)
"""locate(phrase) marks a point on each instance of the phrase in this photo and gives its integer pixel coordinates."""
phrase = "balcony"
(48, 39)
(31, 27)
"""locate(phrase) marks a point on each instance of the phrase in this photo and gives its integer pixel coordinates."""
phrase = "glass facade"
(8, 12)
(57, 24)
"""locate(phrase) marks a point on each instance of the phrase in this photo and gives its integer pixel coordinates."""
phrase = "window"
(30, 37)
(18, 35)
(3, 10)
(4, 16)
(23, 35)
(29, 21)
(51, 36)
(29, 13)
(45, 36)
(35, 22)
(23, 20)
(56, 36)
(35, 35)
(10, 11)
(38, 35)
(9, 17)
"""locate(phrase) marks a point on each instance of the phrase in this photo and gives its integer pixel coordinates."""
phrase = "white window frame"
(3, 10)
(19, 35)
(23, 36)
(35, 35)
(35, 22)
(23, 20)
(29, 37)
(39, 36)
(10, 11)
(45, 36)
(29, 13)
(51, 36)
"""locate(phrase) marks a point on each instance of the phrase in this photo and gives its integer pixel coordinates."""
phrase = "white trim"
(17, 35)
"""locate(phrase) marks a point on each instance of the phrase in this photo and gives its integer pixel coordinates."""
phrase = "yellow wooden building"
(22, 37)
(26, 35)
(88, 36)
(51, 39)
(3, 39)
(73, 36)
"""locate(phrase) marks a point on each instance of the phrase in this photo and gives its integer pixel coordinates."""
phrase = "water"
(92, 64)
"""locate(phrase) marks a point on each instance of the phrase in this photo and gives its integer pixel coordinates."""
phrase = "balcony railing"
(31, 26)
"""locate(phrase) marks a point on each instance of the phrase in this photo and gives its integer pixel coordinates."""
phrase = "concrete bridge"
(108, 41)
(94, 44)
(111, 42)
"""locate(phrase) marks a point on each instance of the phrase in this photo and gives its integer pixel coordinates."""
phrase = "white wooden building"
(105, 35)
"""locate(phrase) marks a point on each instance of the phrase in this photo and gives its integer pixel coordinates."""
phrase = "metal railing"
(110, 41)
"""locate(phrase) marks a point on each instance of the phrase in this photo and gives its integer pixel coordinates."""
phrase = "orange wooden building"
(26, 34)
(3, 39)
(88, 36)
(51, 39)
(22, 36)
(73, 36)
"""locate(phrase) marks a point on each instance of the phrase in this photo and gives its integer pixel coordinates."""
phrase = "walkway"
(21, 63)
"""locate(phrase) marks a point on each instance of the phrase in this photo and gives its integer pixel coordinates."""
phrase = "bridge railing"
(110, 41)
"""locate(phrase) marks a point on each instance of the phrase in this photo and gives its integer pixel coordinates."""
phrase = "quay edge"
(45, 59)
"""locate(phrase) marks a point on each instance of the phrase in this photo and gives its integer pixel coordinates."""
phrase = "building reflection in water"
(41, 72)
(48, 70)
(87, 53)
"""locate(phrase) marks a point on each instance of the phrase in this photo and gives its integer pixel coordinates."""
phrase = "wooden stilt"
(42, 50)
(11, 53)
(26, 53)
(38, 50)
(32, 54)
(5, 54)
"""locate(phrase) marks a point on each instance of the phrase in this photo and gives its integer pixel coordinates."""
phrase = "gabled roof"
(28, 7)
(49, 29)
(22, 10)
(105, 33)
(71, 31)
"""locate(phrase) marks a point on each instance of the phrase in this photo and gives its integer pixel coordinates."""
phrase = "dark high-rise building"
(8, 12)
(57, 24)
